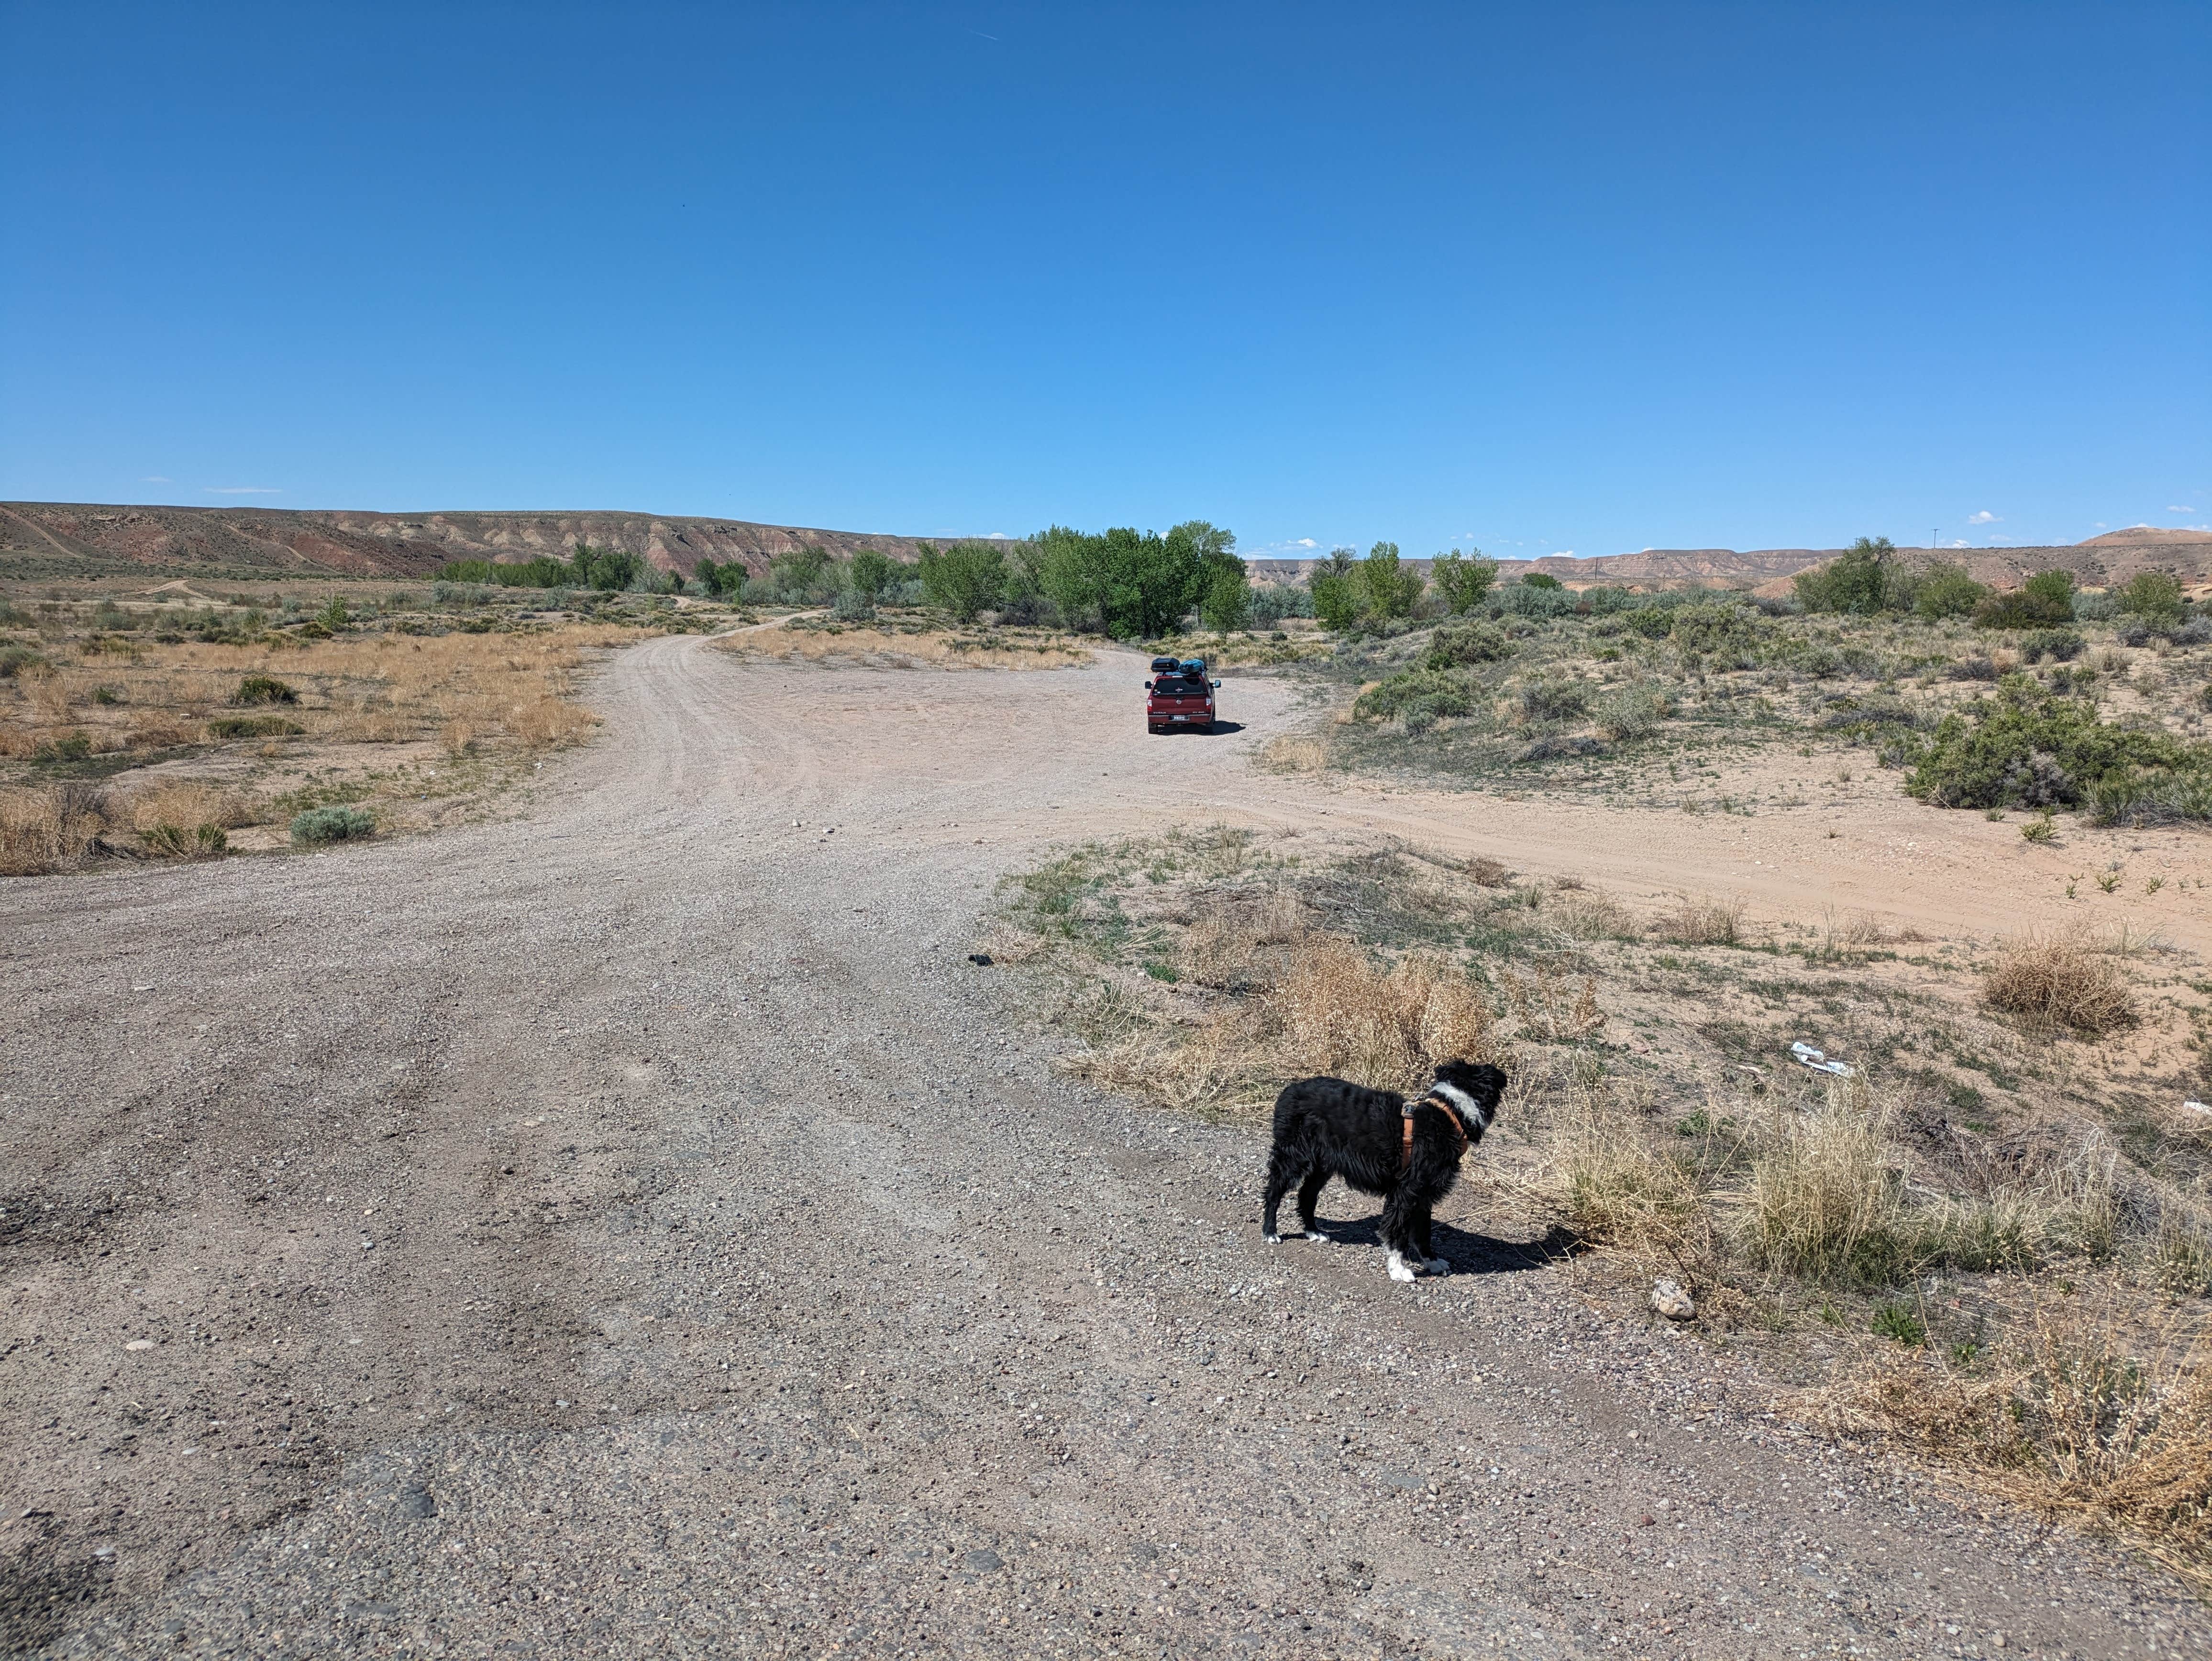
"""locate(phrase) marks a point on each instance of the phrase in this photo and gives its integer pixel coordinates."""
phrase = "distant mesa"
(50, 536)
(2146, 533)
(2110, 558)
(39, 537)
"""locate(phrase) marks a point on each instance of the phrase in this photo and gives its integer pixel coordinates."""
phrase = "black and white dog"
(1379, 1143)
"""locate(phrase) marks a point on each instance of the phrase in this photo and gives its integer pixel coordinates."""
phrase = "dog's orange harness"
(1405, 1138)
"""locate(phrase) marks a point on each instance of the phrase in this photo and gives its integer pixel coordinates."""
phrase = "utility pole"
(1931, 537)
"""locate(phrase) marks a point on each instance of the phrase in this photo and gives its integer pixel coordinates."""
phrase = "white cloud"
(1984, 517)
(2171, 508)
(1957, 542)
(244, 490)
(163, 478)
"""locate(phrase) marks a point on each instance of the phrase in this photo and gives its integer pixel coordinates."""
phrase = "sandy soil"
(636, 1228)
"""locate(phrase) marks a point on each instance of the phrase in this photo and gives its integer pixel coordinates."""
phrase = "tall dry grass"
(1304, 1003)
(2077, 1417)
(1294, 753)
(1605, 1178)
(1243, 944)
(374, 689)
(1343, 1014)
(1551, 1006)
(1704, 921)
(45, 828)
(191, 803)
(1824, 1198)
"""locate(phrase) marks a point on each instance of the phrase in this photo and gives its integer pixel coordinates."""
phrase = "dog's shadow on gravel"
(1468, 1253)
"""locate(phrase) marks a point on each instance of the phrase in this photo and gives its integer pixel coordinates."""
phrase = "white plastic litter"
(2198, 1107)
(1819, 1062)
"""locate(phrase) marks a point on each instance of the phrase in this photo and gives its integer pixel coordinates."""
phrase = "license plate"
(1182, 717)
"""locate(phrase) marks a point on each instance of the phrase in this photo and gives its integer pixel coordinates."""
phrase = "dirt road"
(637, 1229)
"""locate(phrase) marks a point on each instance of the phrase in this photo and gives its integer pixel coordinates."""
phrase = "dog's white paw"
(1436, 1266)
(1318, 1238)
(1400, 1269)
(1272, 1240)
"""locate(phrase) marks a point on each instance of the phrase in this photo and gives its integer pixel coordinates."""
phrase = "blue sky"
(1538, 278)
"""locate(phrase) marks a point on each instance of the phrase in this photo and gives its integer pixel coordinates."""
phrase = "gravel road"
(637, 1229)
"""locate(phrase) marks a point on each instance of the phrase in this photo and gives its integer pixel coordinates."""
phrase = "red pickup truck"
(1179, 699)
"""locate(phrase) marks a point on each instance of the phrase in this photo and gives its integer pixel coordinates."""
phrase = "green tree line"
(1870, 577)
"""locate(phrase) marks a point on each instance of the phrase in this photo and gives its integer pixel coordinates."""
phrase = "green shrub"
(1418, 695)
(253, 726)
(264, 689)
(1864, 579)
(1527, 598)
(320, 824)
(2152, 594)
(2059, 645)
(2159, 799)
(1715, 628)
(2029, 747)
(2095, 608)
(1458, 645)
(70, 747)
(543, 572)
(14, 659)
(1631, 713)
(1946, 590)
(1540, 580)
(1899, 1321)
(1555, 700)
(1652, 621)
(871, 572)
(2044, 601)
(964, 579)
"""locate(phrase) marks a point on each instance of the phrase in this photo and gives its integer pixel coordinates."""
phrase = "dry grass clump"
(1552, 1007)
(49, 828)
(2061, 983)
(1315, 1004)
(1614, 1188)
(190, 803)
(1703, 921)
(1343, 1014)
(1824, 1199)
(1238, 941)
(547, 723)
(1294, 755)
(1585, 914)
(2078, 1419)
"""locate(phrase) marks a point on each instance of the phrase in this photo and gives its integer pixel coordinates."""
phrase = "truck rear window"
(1178, 686)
